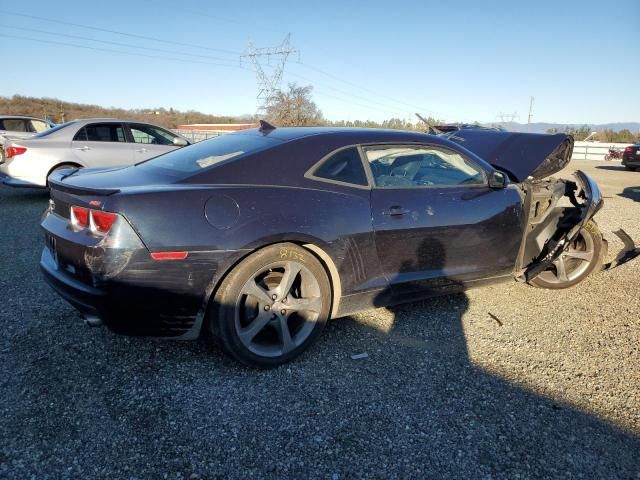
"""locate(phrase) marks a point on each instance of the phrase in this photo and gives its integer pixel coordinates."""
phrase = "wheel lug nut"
(267, 308)
(274, 296)
(283, 311)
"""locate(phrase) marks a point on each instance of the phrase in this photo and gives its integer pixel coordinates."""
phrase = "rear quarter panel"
(242, 218)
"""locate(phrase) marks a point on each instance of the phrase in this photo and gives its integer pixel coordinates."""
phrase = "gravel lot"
(550, 389)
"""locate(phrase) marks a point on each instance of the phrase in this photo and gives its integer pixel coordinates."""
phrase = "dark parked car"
(631, 157)
(257, 238)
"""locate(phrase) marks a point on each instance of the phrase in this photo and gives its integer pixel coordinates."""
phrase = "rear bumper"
(19, 183)
(129, 308)
(630, 161)
(89, 301)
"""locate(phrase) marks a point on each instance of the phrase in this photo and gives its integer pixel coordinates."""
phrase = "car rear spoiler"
(57, 180)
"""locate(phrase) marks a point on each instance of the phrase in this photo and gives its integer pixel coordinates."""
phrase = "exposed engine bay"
(556, 211)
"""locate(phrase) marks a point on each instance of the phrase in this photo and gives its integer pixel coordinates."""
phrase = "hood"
(522, 155)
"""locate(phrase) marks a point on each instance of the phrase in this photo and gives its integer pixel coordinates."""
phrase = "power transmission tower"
(507, 117)
(269, 84)
(530, 114)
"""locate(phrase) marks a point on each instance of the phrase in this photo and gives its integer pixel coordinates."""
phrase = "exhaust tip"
(92, 321)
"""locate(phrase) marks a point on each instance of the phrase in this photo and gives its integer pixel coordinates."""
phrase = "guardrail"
(594, 150)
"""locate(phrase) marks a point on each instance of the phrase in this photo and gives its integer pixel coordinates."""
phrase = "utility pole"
(530, 114)
(61, 112)
(268, 84)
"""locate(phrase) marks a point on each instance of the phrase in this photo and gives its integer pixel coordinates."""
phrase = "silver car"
(95, 142)
(20, 126)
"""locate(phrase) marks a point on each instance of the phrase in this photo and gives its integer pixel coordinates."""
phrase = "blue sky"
(458, 61)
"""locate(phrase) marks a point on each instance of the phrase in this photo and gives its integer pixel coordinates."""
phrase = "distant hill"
(59, 111)
(542, 127)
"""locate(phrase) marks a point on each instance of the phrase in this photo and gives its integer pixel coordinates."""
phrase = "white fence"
(594, 150)
(195, 136)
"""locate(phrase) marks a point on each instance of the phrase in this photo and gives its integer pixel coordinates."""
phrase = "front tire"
(576, 263)
(272, 306)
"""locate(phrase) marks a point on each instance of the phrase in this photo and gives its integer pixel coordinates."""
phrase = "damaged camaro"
(255, 239)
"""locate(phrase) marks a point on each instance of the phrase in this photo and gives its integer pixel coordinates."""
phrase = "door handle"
(141, 150)
(84, 149)
(396, 211)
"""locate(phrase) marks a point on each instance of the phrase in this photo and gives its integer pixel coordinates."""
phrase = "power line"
(128, 45)
(360, 87)
(118, 51)
(343, 92)
(133, 35)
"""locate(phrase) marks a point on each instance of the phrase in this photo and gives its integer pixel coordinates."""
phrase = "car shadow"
(632, 193)
(612, 167)
(468, 419)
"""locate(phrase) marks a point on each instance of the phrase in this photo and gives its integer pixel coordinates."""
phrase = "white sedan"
(89, 143)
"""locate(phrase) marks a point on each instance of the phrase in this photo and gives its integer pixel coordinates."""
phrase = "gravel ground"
(549, 389)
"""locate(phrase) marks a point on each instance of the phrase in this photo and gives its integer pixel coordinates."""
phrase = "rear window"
(46, 133)
(344, 166)
(15, 125)
(209, 153)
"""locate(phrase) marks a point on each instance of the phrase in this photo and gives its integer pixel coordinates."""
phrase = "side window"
(344, 166)
(16, 125)
(150, 135)
(421, 166)
(101, 132)
(39, 126)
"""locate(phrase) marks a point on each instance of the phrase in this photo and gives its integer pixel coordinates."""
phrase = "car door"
(102, 144)
(150, 141)
(437, 222)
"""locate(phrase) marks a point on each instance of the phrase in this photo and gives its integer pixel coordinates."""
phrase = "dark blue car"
(257, 238)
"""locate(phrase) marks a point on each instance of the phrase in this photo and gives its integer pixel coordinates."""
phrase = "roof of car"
(20, 116)
(376, 134)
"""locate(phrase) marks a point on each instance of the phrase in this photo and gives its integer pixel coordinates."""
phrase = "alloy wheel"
(277, 308)
(572, 263)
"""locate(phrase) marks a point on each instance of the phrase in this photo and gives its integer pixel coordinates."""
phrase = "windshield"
(210, 152)
(52, 130)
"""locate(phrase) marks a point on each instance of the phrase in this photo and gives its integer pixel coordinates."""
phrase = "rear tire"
(272, 306)
(576, 263)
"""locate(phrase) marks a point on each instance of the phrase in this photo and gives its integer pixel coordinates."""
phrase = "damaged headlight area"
(556, 209)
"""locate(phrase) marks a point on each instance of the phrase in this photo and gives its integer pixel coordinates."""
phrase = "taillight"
(13, 151)
(102, 221)
(99, 222)
(628, 149)
(80, 217)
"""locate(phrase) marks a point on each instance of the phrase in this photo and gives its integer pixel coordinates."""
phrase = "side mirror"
(497, 180)
(180, 142)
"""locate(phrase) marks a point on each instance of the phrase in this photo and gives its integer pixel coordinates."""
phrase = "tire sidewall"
(222, 312)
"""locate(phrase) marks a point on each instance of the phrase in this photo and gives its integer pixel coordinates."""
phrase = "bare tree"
(294, 107)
